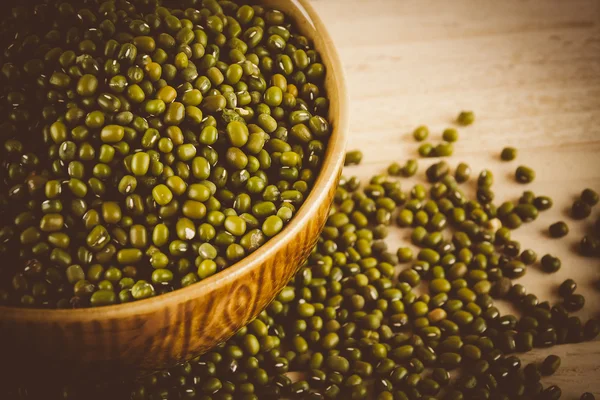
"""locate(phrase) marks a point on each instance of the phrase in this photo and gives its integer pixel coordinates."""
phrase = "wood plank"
(531, 72)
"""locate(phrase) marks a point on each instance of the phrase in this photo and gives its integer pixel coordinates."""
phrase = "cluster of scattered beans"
(145, 148)
(356, 322)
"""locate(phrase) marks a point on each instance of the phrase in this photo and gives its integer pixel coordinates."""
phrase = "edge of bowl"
(328, 175)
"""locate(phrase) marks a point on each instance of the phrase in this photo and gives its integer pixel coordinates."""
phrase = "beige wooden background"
(530, 70)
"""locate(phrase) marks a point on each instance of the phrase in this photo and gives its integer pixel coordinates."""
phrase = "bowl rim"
(333, 162)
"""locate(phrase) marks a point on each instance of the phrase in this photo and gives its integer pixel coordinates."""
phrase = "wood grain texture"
(530, 69)
(159, 332)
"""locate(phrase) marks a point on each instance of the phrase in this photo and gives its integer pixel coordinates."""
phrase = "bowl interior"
(311, 26)
(90, 321)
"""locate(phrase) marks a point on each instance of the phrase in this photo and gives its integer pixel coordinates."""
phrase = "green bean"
(421, 133)
(444, 149)
(550, 365)
(558, 229)
(542, 203)
(524, 174)
(508, 154)
(450, 135)
(550, 263)
(409, 168)
(426, 150)
(466, 118)
(437, 171)
(580, 209)
(353, 157)
(462, 173)
(589, 196)
(574, 302)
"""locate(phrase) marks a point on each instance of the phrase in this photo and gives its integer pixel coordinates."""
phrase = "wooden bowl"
(159, 332)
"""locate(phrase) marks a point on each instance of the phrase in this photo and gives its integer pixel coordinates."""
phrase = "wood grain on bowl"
(162, 331)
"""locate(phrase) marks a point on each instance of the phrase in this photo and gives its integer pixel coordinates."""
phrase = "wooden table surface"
(530, 70)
